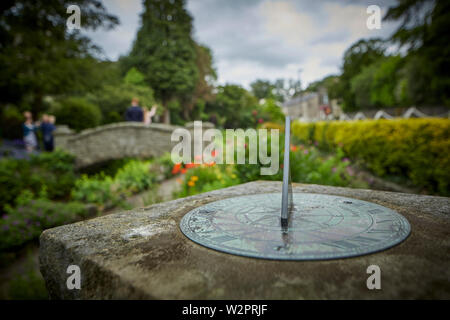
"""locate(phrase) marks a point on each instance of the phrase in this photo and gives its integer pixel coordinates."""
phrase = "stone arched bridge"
(117, 141)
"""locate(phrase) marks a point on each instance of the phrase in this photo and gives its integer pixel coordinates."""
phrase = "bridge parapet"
(117, 141)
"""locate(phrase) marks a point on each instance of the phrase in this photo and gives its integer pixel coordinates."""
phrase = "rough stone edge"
(72, 255)
(122, 125)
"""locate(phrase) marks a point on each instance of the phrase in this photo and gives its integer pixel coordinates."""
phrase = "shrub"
(308, 165)
(135, 176)
(113, 100)
(31, 216)
(11, 120)
(78, 113)
(165, 165)
(53, 171)
(102, 190)
(416, 148)
(206, 178)
(97, 190)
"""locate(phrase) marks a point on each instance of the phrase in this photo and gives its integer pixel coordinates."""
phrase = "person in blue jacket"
(134, 112)
(47, 128)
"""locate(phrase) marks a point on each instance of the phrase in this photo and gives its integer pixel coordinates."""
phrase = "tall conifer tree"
(164, 51)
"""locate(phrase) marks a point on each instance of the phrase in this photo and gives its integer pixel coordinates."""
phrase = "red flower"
(176, 168)
(190, 165)
(260, 120)
(183, 171)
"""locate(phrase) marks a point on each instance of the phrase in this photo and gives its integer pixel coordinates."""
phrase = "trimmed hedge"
(416, 148)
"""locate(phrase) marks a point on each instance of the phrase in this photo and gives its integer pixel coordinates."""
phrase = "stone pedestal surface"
(142, 254)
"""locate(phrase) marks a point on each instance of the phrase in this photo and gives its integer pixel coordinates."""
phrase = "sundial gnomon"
(294, 226)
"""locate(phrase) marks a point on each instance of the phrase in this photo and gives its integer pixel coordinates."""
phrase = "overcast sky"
(262, 39)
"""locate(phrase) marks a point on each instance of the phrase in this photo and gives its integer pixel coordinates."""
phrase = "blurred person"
(29, 132)
(149, 114)
(134, 112)
(47, 128)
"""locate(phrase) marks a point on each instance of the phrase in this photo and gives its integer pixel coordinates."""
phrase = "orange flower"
(176, 168)
(293, 148)
(191, 183)
(183, 171)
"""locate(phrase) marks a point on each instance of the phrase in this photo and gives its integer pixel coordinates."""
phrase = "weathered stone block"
(142, 254)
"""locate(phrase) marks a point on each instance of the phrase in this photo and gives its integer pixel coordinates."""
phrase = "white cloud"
(118, 41)
(266, 39)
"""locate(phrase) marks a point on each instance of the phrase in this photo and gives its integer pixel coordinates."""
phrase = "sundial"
(294, 226)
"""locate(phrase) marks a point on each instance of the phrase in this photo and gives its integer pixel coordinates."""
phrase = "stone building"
(312, 106)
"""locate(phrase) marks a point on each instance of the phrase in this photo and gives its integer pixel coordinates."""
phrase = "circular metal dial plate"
(321, 227)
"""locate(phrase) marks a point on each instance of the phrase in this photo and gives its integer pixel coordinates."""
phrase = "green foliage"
(426, 37)
(377, 84)
(330, 83)
(39, 56)
(97, 190)
(308, 165)
(164, 50)
(102, 190)
(31, 216)
(53, 172)
(262, 89)
(164, 165)
(135, 176)
(272, 111)
(27, 284)
(385, 80)
(78, 113)
(195, 106)
(361, 86)
(414, 148)
(279, 90)
(207, 178)
(114, 99)
(360, 54)
(134, 77)
(11, 120)
(236, 105)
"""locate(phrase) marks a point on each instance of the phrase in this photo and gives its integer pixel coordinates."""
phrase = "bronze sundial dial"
(295, 226)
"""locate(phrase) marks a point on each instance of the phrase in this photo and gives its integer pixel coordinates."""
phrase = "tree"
(134, 77)
(272, 111)
(385, 81)
(203, 92)
(78, 113)
(361, 86)
(38, 55)
(278, 90)
(233, 107)
(424, 31)
(330, 83)
(360, 54)
(165, 52)
(262, 89)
